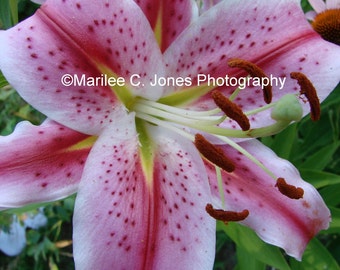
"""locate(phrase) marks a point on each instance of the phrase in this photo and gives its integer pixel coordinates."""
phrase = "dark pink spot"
(90, 28)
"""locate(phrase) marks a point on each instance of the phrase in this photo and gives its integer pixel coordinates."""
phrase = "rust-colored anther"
(213, 154)
(290, 191)
(226, 216)
(231, 110)
(254, 71)
(309, 91)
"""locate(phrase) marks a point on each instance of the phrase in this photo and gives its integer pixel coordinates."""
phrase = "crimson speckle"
(90, 28)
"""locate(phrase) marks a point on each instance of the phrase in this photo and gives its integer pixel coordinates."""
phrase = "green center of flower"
(327, 24)
(192, 124)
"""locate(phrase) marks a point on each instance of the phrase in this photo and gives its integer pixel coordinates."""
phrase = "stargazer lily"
(155, 162)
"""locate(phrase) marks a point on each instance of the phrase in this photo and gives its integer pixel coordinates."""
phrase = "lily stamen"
(309, 91)
(231, 110)
(178, 111)
(213, 154)
(180, 119)
(254, 71)
(226, 216)
(290, 191)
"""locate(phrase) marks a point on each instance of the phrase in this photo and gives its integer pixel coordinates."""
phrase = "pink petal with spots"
(176, 16)
(171, 16)
(67, 37)
(124, 221)
(278, 220)
(38, 163)
(150, 9)
(275, 36)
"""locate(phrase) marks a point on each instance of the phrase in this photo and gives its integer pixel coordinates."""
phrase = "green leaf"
(5, 93)
(283, 142)
(316, 257)
(8, 13)
(331, 195)
(335, 224)
(319, 178)
(13, 4)
(247, 261)
(251, 243)
(321, 158)
(3, 81)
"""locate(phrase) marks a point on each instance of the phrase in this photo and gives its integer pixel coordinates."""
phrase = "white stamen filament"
(168, 117)
(179, 111)
(247, 155)
(200, 121)
(165, 124)
(184, 119)
(173, 118)
(220, 184)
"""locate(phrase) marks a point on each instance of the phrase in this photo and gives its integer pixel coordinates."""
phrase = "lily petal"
(67, 37)
(204, 5)
(176, 16)
(144, 223)
(168, 18)
(40, 163)
(275, 36)
(150, 9)
(278, 220)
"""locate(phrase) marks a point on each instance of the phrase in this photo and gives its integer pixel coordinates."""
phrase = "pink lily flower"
(144, 179)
